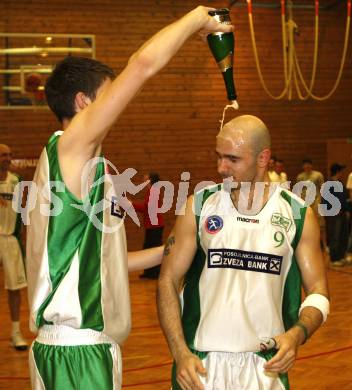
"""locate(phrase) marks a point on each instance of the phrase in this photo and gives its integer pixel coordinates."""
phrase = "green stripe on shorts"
(82, 367)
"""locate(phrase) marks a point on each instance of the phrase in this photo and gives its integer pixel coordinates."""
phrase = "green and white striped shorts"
(65, 358)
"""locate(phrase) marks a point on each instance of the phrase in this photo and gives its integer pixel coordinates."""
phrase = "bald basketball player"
(10, 247)
(239, 269)
(77, 257)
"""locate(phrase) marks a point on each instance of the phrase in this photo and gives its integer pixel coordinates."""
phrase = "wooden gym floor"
(324, 363)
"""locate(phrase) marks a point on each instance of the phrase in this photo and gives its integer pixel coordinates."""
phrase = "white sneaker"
(338, 263)
(18, 341)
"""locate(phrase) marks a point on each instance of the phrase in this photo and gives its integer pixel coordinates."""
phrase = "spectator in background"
(153, 231)
(317, 178)
(271, 169)
(10, 247)
(337, 225)
(279, 170)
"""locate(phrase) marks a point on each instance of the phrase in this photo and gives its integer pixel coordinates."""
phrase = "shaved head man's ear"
(263, 158)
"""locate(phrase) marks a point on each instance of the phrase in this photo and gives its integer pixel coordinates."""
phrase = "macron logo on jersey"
(248, 220)
(245, 260)
(214, 224)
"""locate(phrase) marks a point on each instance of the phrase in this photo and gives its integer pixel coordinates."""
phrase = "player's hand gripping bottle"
(222, 46)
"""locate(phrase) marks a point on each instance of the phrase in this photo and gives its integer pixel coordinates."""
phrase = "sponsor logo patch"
(248, 220)
(116, 210)
(214, 224)
(278, 219)
(244, 260)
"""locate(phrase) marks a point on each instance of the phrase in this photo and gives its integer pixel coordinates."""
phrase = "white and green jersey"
(244, 282)
(77, 273)
(10, 221)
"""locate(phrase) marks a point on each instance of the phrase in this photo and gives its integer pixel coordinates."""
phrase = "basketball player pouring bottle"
(77, 271)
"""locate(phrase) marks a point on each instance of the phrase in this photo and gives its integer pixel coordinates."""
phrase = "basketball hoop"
(29, 60)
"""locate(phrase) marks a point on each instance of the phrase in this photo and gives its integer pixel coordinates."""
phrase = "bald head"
(247, 130)
(5, 157)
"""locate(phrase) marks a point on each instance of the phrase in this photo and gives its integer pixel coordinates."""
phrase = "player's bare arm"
(179, 252)
(146, 258)
(310, 261)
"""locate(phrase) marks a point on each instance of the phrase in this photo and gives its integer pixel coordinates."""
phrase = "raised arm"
(310, 261)
(179, 252)
(90, 126)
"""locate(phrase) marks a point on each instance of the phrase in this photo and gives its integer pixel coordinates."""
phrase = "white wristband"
(318, 301)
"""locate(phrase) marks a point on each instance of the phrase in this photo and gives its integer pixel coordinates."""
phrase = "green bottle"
(222, 46)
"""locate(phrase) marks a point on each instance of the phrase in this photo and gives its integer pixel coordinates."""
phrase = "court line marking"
(324, 353)
(340, 271)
